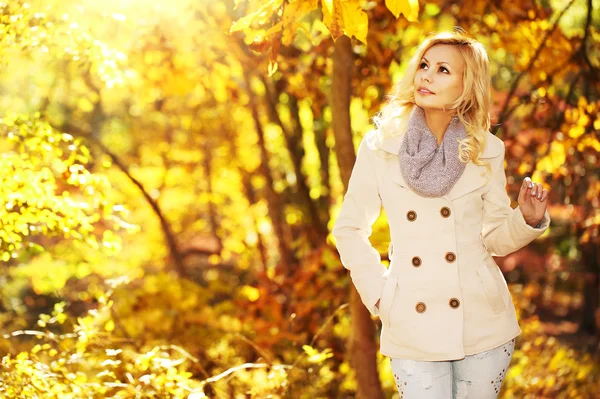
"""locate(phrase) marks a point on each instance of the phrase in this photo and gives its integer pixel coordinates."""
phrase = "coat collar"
(472, 178)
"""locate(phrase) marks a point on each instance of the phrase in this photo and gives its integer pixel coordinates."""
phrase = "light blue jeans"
(477, 376)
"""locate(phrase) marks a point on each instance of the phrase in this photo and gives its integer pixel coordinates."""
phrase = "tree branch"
(166, 228)
(513, 88)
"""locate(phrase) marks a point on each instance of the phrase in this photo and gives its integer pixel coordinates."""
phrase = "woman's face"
(441, 72)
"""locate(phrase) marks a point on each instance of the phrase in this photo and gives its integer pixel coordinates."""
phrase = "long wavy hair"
(471, 107)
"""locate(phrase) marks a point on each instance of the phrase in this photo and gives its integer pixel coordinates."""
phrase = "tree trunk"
(315, 231)
(320, 129)
(251, 196)
(320, 230)
(212, 209)
(274, 203)
(591, 289)
(362, 348)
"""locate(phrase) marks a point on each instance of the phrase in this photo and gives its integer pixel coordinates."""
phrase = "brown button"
(421, 307)
(450, 257)
(411, 216)
(445, 211)
(454, 303)
(416, 261)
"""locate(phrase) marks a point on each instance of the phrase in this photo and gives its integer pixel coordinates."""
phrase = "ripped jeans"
(477, 376)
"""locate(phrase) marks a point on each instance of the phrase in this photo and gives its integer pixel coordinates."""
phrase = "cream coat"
(440, 255)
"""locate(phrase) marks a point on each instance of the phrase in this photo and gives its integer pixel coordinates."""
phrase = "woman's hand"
(532, 201)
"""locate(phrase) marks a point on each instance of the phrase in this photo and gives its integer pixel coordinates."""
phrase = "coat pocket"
(387, 297)
(492, 287)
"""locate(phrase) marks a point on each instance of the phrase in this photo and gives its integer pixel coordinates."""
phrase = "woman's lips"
(424, 92)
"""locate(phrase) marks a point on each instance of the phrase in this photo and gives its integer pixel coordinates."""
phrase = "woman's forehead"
(444, 53)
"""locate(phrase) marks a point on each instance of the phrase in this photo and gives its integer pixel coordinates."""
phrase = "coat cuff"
(518, 220)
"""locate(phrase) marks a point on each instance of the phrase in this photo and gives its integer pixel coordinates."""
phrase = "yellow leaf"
(356, 22)
(250, 292)
(583, 120)
(576, 131)
(327, 6)
(264, 13)
(273, 29)
(409, 8)
(291, 14)
(583, 373)
(288, 35)
(273, 65)
(523, 169)
(490, 20)
(556, 360)
(308, 34)
(297, 10)
(332, 17)
(589, 141)
(310, 351)
(109, 326)
(85, 105)
(542, 91)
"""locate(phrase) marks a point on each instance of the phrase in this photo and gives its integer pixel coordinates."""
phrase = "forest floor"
(567, 330)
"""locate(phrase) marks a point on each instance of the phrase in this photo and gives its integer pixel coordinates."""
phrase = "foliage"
(544, 367)
(88, 362)
(340, 18)
(46, 190)
(25, 29)
(158, 119)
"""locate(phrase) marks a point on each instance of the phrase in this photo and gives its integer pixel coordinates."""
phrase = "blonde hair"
(472, 106)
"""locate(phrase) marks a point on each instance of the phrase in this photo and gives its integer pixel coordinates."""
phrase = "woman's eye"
(423, 65)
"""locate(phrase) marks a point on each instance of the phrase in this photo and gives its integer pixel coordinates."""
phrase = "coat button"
(411, 216)
(450, 257)
(445, 211)
(421, 307)
(416, 261)
(454, 303)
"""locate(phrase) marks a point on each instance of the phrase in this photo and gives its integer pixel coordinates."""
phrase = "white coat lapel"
(475, 176)
(392, 145)
(471, 179)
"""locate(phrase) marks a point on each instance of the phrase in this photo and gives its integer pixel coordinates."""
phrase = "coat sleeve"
(504, 228)
(361, 207)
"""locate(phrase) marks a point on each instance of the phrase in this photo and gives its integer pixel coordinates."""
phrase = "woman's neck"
(438, 121)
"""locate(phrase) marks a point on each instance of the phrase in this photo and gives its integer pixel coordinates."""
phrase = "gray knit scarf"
(429, 170)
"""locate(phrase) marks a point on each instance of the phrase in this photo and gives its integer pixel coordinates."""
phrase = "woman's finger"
(537, 190)
(534, 190)
(544, 195)
(527, 184)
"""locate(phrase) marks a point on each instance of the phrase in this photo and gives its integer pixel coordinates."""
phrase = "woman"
(448, 321)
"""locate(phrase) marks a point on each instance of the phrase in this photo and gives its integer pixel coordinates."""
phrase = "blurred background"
(171, 170)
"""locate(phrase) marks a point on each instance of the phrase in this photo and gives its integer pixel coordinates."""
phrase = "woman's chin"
(427, 104)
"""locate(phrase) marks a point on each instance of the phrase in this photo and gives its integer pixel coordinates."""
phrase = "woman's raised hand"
(532, 201)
